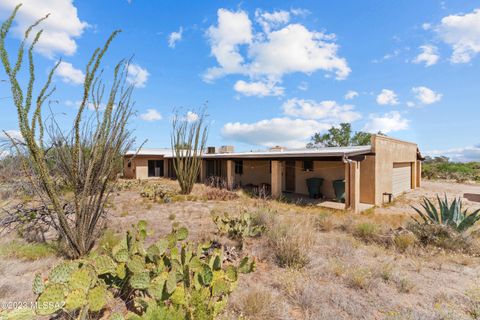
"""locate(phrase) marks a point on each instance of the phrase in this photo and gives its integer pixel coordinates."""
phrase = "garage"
(402, 177)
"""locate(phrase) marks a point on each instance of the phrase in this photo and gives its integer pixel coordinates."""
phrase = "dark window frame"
(307, 165)
(238, 166)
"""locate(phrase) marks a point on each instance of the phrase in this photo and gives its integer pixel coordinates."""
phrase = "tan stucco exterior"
(368, 176)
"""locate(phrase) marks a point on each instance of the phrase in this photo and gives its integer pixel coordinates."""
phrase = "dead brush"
(291, 240)
(258, 303)
(359, 278)
(217, 194)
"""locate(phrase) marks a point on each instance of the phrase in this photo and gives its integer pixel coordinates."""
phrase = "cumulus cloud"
(60, 30)
(351, 94)
(387, 97)
(292, 133)
(329, 111)
(267, 55)
(192, 116)
(428, 55)
(388, 122)
(11, 134)
(137, 75)
(464, 154)
(151, 115)
(462, 33)
(426, 95)
(175, 37)
(69, 73)
(258, 88)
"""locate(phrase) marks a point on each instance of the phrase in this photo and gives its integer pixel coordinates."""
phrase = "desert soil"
(345, 278)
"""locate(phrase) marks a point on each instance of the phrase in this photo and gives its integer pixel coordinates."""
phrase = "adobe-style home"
(355, 177)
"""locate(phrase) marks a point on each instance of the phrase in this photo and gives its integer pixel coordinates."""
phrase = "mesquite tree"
(188, 138)
(85, 157)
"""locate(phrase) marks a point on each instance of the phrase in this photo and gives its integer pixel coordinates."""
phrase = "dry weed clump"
(291, 240)
(445, 238)
(404, 241)
(359, 278)
(220, 194)
(258, 303)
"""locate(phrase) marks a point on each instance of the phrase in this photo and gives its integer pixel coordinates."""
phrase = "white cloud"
(351, 94)
(258, 88)
(271, 20)
(303, 86)
(410, 104)
(426, 26)
(60, 30)
(465, 154)
(192, 116)
(151, 115)
(137, 75)
(329, 111)
(429, 55)
(11, 134)
(391, 121)
(268, 55)
(426, 95)
(69, 73)
(387, 97)
(462, 33)
(175, 37)
(292, 133)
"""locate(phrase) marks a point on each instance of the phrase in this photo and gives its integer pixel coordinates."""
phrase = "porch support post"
(276, 177)
(165, 167)
(230, 174)
(203, 171)
(352, 186)
(419, 174)
(413, 175)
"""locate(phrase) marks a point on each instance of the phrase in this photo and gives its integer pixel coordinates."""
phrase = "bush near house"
(442, 168)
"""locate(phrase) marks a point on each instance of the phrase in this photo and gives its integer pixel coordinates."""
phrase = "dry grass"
(27, 251)
(291, 240)
(258, 303)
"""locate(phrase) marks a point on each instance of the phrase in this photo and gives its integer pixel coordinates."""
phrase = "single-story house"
(372, 175)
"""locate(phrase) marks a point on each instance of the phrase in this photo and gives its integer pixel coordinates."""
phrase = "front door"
(155, 168)
(290, 176)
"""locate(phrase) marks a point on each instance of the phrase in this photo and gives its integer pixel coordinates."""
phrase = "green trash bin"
(314, 185)
(339, 187)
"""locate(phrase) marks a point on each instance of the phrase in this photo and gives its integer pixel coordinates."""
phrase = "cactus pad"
(105, 264)
(81, 279)
(97, 298)
(140, 280)
(61, 273)
(51, 300)
(38, 285)
(136, 264)
(75, 300)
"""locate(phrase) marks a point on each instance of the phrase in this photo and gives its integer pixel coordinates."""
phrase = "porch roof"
(299, 153)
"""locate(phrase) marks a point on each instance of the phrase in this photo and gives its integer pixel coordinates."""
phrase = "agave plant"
(447, 214)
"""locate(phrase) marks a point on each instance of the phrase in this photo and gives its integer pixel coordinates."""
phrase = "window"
(308, 165)
(238, 166)
(129, 164)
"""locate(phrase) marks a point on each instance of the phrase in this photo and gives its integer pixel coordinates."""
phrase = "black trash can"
(314, 185)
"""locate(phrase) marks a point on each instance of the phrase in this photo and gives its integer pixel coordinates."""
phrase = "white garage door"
(402, 177)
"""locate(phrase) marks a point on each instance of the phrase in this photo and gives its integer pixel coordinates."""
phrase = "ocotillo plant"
(188, 138)
(85, 157)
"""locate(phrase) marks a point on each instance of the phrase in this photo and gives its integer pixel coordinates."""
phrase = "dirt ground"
(345, 277)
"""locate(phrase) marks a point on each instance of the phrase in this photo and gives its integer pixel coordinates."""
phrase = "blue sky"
(273, 73)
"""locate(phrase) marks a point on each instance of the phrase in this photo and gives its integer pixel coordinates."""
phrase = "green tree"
(340, 136)
(85, 156)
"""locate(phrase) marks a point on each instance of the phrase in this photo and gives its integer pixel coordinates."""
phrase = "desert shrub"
(359, 278)
(237, 227)
(170, 279)
(258, 303)
(220, 194)
(458, 171)
(404, 285)
(291, 241)
(366, 231)
(473, 306)
(324, 222)
(444, 237)
(158, 192)
(447, 214)
(27, 251)
(403, 241)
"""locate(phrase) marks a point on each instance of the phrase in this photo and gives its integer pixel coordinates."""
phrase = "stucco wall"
(328, 170)
(139, 167)
(255, 172)
(387, 151)
(367, 180)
